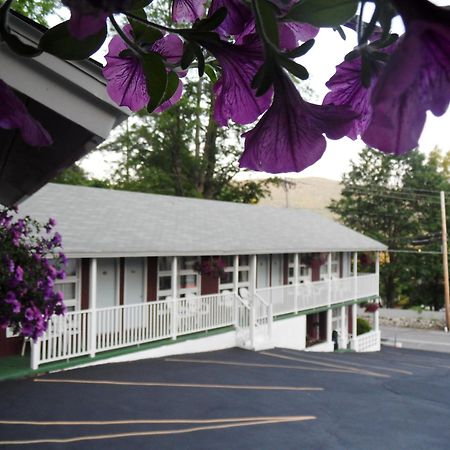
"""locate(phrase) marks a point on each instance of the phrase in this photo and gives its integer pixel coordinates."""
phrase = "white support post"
(344, 328)
(329, 311)
(173, 306)
(296, 278)
(377, 269)
(329, 325)
(93, 307)
(35, 353)
(253, 276)
(235, 288)
(236, 274)
(354, 321)
(355, 305)
(376, 320)
(329, 278)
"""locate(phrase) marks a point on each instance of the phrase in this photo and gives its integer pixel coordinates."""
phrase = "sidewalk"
(431, 340)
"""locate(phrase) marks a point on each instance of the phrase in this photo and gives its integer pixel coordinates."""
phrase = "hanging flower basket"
(214, 267)
(372, 307)
(314, 258)
(366, 259)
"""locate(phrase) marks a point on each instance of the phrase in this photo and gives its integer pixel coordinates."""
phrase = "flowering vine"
(251, 50)
(30, 262)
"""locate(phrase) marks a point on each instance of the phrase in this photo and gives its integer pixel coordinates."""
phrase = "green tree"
(393, 200)
(38, 10)
(183, 152)
(76, 175)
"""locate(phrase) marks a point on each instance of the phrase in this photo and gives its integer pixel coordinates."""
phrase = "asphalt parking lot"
(234, 399)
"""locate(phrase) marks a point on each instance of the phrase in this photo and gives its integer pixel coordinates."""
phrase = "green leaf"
(141, 32)
(19, 47)
(263, 78)
(59, 42)
(211, 73)
(297, 70)
(156, 76)
(138, 4)
(302, 50)
(323, 13)
(341, 33)
(268, 21)
(200, 58)
(127, 53)
(211, 23)
(188, 55)
(172, 84)
(352, 55)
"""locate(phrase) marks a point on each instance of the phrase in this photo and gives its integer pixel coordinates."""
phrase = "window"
(304, 270)
(188, 278)
(334, 267)
(164, 277)
(70, 286)
(227, 281)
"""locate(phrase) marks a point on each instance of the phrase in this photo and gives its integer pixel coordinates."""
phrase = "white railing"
(66, 337)
(121, 326)
(87, 332)
(282, 298)
(367, 285)
(368, 342)
(73, 334)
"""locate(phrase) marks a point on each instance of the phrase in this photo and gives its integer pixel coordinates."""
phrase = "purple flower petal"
(126, 82)
(347, 89)
(238, 15)
(84, 25)
(187, 10)
(13, 114)
(416, 79)
(89, 16)
(171, 47)
(289, 137)
(234, 97)
(292, 32)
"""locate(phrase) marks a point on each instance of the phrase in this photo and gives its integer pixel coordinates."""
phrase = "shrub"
(362, 326)
(30, 262)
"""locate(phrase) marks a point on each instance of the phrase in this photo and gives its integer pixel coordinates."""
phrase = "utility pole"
(286, 185)
(445, 261)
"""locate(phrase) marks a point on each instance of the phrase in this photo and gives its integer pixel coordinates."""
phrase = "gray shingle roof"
(102, 222)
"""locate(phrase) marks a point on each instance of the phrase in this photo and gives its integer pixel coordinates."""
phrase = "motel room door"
(107, 281)
(134, 281)
(263, 271)
(270, 271)
(276, 272)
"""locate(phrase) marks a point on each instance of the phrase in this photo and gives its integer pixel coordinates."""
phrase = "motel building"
(191, 275)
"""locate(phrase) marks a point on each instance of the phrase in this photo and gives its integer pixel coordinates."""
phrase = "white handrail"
(90, 331)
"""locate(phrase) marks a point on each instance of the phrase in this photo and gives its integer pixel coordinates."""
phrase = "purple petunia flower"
(234, 97)
(289, 137)
(238, 16)
(187, 10)
(347, 90)
(13, 114)
(12, 300)
(415, 80)
(56, 240)
(18, 276)
(89, 16)
(126, 82)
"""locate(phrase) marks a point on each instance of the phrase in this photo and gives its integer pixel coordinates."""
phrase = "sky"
(327, 52)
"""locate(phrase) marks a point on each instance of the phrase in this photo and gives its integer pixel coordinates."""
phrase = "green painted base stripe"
(13, 367)
(305, 312)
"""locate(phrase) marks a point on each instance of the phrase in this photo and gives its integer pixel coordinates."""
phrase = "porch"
(249, 312)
